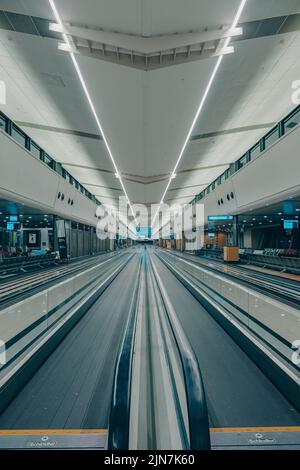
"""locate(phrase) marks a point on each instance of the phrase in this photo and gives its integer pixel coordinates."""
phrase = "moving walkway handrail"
(195, 392)
(119, 421)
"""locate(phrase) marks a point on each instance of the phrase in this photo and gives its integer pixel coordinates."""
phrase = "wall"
(25, 179)
(271, 178)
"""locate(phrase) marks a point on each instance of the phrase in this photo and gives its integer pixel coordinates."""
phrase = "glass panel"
(35, 150)
(242, 161)
(232, 169)
(272, 137)
(18, 136)
(255, 151)
(292, 121)
(2, 123)
(25, 325)
(47, 159)
(58, 168)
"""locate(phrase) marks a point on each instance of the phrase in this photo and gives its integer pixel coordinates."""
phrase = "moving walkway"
(142, 362)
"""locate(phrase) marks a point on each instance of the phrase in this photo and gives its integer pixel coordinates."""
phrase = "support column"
(235, 231)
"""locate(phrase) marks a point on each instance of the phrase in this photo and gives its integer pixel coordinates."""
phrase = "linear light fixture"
(69, 48)
(201, 105)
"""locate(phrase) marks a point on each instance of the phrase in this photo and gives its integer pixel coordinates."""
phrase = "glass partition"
(18, 136)
(242, 161)
(2, 123)
(35, 150)
(292, 120)
(271, 138)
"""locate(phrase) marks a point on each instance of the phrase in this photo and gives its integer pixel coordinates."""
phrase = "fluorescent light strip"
(202, 102)
(87, 94)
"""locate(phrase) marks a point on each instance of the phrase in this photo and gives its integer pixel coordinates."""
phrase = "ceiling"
(146, 115)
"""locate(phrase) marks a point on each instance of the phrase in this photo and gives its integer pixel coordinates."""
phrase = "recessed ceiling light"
(279, 213)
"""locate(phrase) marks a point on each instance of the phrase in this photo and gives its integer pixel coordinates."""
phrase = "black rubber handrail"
(119, 421)
(195, 392)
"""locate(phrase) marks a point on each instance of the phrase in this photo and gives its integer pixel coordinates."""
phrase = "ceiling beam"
(145, 45)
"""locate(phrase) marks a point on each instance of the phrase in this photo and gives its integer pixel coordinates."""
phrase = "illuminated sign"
(220, 218)
(290, 224)
(144, 232)
(10, 226)
(13, 218)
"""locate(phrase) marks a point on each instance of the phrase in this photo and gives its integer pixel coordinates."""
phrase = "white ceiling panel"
(146, 115)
